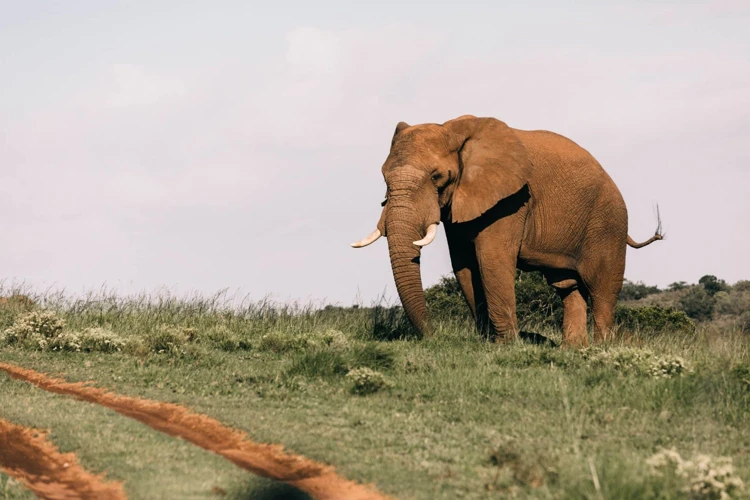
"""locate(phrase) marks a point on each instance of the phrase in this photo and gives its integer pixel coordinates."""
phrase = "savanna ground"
(447, 417)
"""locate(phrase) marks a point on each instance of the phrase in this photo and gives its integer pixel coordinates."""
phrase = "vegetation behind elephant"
(509, 199)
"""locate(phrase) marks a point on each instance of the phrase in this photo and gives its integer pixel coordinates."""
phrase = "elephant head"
(457, 170)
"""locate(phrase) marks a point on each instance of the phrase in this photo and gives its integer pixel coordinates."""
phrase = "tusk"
(431, 232)
(366, 241)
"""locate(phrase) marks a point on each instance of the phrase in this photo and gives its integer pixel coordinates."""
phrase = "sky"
(202, 146)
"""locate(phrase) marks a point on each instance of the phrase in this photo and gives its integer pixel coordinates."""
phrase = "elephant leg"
(575, 333)
(466, 269)
(604, 285)
(603, 309)
(499, 288)
(573, 295)
(470, 282)
(497, 248)
(498, 279)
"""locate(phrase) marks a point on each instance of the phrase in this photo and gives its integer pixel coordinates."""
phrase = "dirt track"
(318, 480)
(28, 456)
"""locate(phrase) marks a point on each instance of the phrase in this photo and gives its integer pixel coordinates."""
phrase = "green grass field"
(452, 417)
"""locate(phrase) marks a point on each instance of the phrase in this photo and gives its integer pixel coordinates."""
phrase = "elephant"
(509, 199)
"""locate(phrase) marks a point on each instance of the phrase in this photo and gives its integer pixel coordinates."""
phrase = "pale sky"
(208, 145)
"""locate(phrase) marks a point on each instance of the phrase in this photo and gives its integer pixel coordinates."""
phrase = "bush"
(636, 291)
(283, 342)
(537, 303)
(366, 381)
(168, 339)
(653, 319)
(34, 329)
(712, 284)
(225, 339)
(698, 304)
(677, 286)
(703, 477)
(741, 286)
(88, 340)
(667, 366)
(446, 301)
(637, 361)
(732, 304)
(100, 340)
(390, 323)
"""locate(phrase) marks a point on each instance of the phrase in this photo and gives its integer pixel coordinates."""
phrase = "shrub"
(283, 342)
(34, 329)
(446, 300)
(390, 323)
(732, 304)
(667, 366)
(168, 339)
(677, 286)
(703, 477)
(636, 291)
(636, 361)
(100, 340)
(653, 319)
(280, 342)
(713, 285)
(226, 340)
(537, 303)
(624, 359)
(366, 381)
(697, 304)
(741, 286)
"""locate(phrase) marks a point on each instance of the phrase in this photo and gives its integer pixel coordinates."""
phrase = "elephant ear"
(493, 165)
(399, 127)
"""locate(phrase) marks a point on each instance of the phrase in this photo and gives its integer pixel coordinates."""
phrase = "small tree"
(677, 286)
(712, 284)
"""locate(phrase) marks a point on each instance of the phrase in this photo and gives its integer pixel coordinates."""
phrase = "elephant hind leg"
(573, 295)
(603, 309)
(604, 282)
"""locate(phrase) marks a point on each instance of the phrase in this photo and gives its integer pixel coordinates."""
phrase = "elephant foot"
(575, 342)
(504, 337)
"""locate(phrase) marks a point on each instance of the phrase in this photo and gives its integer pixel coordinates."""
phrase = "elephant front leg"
(498, 279)
(466, 269)
(471, 285)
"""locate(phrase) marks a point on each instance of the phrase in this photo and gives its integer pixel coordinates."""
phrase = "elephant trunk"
(403, 231)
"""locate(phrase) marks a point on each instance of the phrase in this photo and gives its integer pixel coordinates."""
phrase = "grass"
(457, 418)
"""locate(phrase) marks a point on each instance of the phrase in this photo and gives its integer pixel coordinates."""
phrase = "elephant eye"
(436, 176)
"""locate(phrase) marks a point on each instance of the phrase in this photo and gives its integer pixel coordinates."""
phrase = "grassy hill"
(447, 417)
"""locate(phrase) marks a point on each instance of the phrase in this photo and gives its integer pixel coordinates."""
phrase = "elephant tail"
(634, 244)
(658, 234)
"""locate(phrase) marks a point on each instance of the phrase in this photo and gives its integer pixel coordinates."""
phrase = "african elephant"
(532, 200)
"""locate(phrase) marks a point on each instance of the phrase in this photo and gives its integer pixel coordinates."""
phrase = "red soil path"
(28, 456)
(268, 460)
